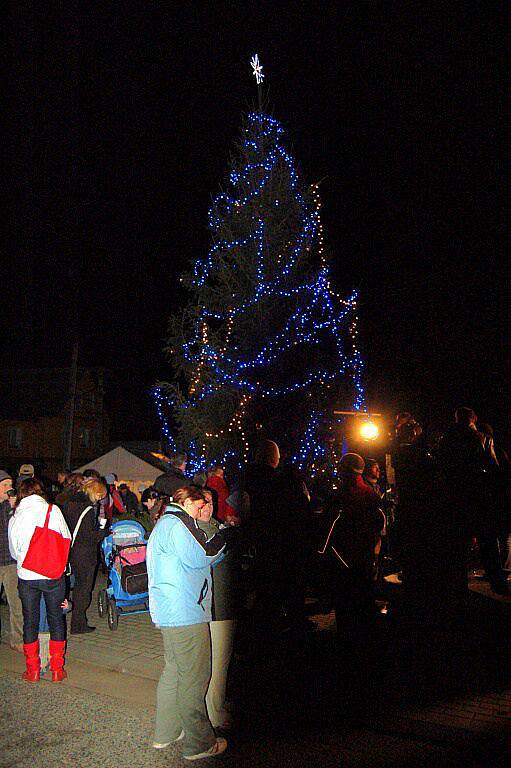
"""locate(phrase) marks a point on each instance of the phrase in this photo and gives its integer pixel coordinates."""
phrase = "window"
(14, 437)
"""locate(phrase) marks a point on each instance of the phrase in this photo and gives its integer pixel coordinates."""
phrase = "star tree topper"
(257, 69)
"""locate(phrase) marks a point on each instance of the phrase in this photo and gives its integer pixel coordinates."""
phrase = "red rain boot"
(33, 662)
(57, 651)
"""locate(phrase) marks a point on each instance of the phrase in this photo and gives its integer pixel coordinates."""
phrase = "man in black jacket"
(265, 528)
(466, 468)
(174, 478)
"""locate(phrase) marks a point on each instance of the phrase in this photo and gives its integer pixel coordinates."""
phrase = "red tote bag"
(48, 551)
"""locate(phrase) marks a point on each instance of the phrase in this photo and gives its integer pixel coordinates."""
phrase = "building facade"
(37, 413)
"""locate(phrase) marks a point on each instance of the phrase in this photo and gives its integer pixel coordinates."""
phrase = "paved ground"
(415, 697)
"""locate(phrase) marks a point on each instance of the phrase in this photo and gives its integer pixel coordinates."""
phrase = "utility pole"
(68, 449)
(101, 404)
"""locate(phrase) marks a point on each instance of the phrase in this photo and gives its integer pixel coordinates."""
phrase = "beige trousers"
(9, 581)
(182, 688)
(222, 639)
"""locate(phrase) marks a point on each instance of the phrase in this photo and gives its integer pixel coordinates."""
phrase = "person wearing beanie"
(351, 463)
(350, 545)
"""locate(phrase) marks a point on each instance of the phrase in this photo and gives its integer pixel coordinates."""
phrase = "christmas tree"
(264, 346)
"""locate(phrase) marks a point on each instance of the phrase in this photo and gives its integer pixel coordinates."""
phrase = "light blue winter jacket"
(179, 560)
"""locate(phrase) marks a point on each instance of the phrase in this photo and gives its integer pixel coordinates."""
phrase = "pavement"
(415, 696)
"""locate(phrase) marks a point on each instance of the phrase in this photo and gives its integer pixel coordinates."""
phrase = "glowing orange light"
(369, 430)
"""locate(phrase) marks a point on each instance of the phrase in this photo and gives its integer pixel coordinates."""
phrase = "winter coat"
(223, 510)
(355, 528)
(464, 467)
(226, 578)
(266, 527)
(86, 541)
(5, 516)
(112, 505)
(31, 512)
(130, 502)
(170, 481)
(179, 560)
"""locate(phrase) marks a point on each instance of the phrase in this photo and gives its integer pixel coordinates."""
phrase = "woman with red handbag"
(39, 541)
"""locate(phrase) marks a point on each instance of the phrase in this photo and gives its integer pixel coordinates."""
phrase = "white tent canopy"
(130, 469)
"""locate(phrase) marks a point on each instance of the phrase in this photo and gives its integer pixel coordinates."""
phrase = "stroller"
(124, 552)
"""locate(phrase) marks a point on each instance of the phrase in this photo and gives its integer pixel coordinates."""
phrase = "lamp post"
(368, 430)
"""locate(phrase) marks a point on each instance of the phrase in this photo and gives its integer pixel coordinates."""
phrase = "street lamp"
(369, 431)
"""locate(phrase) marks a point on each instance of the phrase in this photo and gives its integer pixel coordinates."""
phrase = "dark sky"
(122, 124)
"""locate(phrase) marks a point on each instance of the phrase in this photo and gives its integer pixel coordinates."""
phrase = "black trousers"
(84, 571)
(54, 592)
(354, 604)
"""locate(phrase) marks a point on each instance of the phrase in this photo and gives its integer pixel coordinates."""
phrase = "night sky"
(122, 122)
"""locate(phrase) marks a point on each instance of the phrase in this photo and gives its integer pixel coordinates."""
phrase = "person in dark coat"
(350, 546)
(298, 544)
(226, 579)
(469, 483)
(265, 530)
(71, 486)
(416, 517)
(174, 478)
(266, 540)
(129, 500)
(84, 550)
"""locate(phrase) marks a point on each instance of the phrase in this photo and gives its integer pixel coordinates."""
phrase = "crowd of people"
(235, 561)
(453, 492)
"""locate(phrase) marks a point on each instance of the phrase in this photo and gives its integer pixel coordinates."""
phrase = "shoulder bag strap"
(47, 518)
(78, 524)
(323, 550)
(327, 543)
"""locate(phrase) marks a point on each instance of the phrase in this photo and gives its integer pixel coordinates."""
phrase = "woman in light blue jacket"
(179, 560)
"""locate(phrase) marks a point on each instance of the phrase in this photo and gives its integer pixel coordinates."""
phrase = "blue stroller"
(124, 551)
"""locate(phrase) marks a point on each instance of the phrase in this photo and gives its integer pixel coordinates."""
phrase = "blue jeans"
(54, 592)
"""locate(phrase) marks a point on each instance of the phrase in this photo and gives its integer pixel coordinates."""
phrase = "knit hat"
(4, 475)
(110, 479)
(352, 462)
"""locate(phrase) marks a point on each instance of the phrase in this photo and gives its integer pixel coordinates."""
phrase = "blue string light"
(318, 310)
(311, 449)
(161, 401)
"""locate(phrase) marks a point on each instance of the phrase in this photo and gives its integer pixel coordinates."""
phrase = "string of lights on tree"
(251, 268)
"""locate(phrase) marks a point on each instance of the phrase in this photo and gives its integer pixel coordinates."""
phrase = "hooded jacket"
(179, 560)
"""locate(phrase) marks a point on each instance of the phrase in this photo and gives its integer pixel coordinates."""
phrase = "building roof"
(28, 393)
